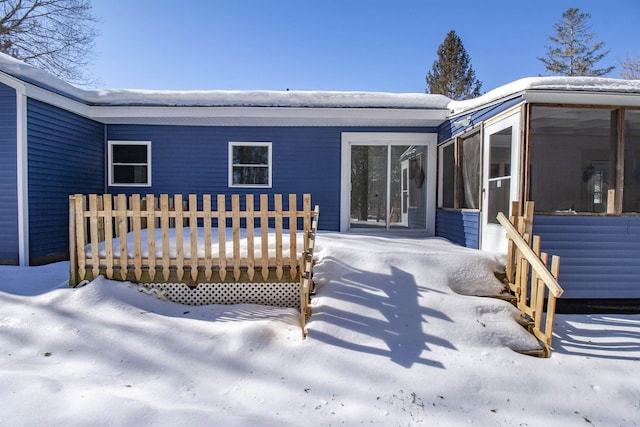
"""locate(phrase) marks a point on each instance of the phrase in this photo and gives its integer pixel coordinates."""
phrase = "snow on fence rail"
(174, 240)
(528, 277)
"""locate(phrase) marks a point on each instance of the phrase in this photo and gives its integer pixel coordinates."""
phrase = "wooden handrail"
(532, 258)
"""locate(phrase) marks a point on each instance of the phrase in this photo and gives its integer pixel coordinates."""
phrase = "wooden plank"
(108, 233)
(93, 232)
(306, 203)
(137, 236)
(193, 234)
(121, 215)
(540, 294)
(73, 275)
(293, 243)
(250, 236)
(177, 200)
(222, 237)
(551, 303)
(164, 226)
(277, 201)
(551, 281)
(79, 237)
(264, 234)
(206, 219)
(529, 208)
(235, 223)
(100, 209)
(150, 202)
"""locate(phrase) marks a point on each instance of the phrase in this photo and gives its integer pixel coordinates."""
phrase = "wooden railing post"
(530, 289)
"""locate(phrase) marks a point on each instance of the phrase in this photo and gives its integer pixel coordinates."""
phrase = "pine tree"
(572, 53)
(451, 74)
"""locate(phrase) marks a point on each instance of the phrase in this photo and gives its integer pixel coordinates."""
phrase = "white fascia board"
(259, 116)
(583, 98)
(60, 101)
(44, 95)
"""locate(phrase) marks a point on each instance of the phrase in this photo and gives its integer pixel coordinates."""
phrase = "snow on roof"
(222, 98)
(308, 99)
(573, 84)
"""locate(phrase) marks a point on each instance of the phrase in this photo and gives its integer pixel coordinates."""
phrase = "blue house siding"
(459, 227)
(194, 159)
(9, 253)
(66, 156)
(599, 255)
(448, 128)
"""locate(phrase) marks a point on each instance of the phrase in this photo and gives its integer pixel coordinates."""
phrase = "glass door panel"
(499, 174)
(388, 187)
(368, 186)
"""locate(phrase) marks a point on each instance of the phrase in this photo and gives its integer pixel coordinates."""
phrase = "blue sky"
(353, 45)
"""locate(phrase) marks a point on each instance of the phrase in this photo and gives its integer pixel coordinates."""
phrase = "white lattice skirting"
(272, 294)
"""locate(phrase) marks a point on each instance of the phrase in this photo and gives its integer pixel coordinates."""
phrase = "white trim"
(491, 234)
(267, 116)
(430, 140)
(110, 144)
(22, 177)
(250, 144)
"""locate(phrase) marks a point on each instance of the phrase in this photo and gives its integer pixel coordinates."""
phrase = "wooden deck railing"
(174, 240)
(528, 276)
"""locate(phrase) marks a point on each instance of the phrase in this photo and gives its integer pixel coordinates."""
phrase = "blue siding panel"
(66, 156)
(599, 255)
(194, 159)
(447, 129)
(9, 251)
(459, 227)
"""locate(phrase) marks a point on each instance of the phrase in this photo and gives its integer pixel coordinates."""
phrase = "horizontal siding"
(9, 251)
(447, 129)
(459, 227)
(66, 156)
(194, 159)
(599, 255)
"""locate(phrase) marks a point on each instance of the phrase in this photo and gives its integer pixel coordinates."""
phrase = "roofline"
(234, 115)
(546, 96)
(268, 116)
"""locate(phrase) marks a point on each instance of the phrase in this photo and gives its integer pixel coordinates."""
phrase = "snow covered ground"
(397, 338)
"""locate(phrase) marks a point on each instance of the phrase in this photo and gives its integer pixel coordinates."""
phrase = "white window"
(250, 164)
(130, 163)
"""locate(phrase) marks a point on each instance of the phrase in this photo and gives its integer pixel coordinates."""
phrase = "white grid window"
(130, 163)
(250, 164)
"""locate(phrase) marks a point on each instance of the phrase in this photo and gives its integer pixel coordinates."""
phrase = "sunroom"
(578, 160)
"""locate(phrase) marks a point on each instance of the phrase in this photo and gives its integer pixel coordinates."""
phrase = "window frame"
(269, 164)
(456, 143)
(111, 164)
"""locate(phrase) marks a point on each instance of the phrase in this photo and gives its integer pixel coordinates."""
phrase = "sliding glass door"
(388, 185)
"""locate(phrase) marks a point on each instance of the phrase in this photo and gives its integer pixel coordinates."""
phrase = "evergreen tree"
(451, 74)
(573, 53)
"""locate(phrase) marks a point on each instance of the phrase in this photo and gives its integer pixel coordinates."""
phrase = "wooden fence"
(528, 277)
(174, 240)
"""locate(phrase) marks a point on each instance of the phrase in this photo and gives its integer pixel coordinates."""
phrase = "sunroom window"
(460, 162)
(575, 164)
(249, 164)
(129, 163)
(631, 199)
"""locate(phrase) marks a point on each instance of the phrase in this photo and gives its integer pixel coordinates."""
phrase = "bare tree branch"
(630, 68)
(55, 35)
